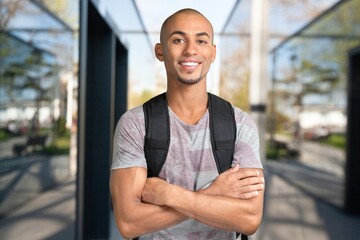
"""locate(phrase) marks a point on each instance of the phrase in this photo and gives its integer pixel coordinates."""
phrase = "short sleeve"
(246, 153)
(128, 143)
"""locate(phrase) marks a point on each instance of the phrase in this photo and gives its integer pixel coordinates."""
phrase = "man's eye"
(202, 41)
(178, 41)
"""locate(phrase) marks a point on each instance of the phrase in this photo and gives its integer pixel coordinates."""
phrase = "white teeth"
(190, 63)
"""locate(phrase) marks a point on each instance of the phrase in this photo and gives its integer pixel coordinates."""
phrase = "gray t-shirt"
(190, 162)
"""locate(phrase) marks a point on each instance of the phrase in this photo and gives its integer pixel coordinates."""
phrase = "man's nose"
(190, 49)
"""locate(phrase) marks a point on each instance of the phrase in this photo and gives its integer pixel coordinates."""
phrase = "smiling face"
(186, 47)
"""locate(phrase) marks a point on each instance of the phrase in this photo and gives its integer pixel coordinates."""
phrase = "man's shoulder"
(241, 116)
(239, 111)
(244, 118)
(134, 115)
(136, 111)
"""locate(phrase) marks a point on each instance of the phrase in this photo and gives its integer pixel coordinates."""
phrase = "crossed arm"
(234, 201)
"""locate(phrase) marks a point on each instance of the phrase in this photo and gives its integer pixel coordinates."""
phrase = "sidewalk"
(291, 211)
(304, 197)
(51, 215)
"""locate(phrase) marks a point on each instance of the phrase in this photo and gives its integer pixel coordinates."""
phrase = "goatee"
(189, 81)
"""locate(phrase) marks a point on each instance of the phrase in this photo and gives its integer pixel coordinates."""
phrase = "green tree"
(234, 77)
(67, 10)
(8, 9)
(31, 74)
(137, 99)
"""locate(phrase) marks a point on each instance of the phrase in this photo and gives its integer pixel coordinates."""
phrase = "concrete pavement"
(293, 213)
(51, 215)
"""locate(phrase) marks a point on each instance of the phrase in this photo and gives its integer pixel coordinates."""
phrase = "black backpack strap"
(223, 134)
(157, 137)
(222, 131)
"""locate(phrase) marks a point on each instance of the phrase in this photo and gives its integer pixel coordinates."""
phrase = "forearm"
(141, 218)
(218, 211)
(234, 201)
(133, 217)
(138, 218)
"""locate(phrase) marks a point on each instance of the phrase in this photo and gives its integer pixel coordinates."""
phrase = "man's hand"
(237, 182)
(155, 191)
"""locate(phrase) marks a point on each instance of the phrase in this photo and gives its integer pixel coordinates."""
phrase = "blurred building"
(315, 86)
(36, 52)
(30, 83)
(310, 69)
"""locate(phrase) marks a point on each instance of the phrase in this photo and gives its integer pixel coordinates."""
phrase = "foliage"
(3, 135)
(281, 122)
(61, 145)
(61, 126)
(309, 78)
(273, 153)
(29, 72)
(300, 9)
(235, 77)
(64, 9)
(335, 140)
(137, 99)
(241, 96)
(8, 9)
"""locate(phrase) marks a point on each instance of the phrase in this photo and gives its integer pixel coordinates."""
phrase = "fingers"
(249, 195)
(249, 183)
(253, 188)
(252, 180)
(233, 169)
(247, 173)
(250, 191)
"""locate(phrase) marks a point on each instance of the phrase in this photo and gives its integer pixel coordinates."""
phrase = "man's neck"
(188, 105)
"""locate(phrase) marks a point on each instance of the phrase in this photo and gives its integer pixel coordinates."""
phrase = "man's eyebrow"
(178, 32)
(203, 34)
(183, 34)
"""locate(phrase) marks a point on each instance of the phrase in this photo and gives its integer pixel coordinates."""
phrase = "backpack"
(157, 137)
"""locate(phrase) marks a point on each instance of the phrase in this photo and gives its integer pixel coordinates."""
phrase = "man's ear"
(213, 54)
(159, 52)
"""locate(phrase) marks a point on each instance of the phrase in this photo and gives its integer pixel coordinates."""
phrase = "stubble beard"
(189, 81)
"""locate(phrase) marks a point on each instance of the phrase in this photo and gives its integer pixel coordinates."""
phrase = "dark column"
(121, 76)
(352, 181)
(102, 99)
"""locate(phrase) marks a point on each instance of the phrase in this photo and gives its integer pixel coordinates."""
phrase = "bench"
(290, 150)
(32, 143)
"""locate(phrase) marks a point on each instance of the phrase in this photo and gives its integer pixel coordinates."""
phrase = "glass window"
(38, 88)
(310, 76)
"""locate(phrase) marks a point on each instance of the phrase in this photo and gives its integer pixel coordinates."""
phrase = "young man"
(189, 199)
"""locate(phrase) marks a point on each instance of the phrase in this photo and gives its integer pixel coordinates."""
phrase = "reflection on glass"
(310, 72)
(36, 67)
(28, 79)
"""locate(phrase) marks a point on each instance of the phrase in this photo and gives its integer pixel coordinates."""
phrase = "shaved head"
(186, 47)
(186, 11)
